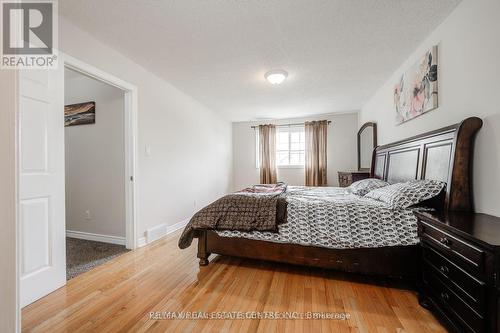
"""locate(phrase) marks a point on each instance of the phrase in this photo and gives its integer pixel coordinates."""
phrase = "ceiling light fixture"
(276, 76)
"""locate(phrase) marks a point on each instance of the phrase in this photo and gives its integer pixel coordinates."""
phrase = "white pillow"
(404, 195)
(362, 187)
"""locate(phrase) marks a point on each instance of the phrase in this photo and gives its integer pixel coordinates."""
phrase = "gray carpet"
(83, 255)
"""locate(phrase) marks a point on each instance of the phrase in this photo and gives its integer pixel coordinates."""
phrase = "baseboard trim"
(142, 241)
(177, 226)
(96, 237)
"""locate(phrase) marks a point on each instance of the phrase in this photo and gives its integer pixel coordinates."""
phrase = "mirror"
(367, 141)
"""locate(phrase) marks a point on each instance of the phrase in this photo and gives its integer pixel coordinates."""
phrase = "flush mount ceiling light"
(276, 76)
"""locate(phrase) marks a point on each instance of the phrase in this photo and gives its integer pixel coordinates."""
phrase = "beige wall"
(342, 151)
(469, 72)
(8, 202)
(190, 163)
(95, 160)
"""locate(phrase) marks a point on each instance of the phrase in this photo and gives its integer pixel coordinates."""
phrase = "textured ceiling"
(337, 52)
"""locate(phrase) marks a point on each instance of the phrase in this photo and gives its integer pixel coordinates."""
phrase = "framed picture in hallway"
(79, 114)
(416, 92)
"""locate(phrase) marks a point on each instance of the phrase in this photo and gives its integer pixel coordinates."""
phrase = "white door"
(41, 183)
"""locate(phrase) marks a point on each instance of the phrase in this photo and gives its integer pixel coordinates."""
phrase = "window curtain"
(267, 154)
(315, 158)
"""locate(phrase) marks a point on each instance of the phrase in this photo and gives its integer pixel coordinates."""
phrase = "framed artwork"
(79, 114)
(417, 89)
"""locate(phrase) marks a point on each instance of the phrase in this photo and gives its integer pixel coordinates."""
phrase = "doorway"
(130, 138)
(94, 142)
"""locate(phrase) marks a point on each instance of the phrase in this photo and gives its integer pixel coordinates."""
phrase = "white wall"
(469, 72)
(191, 157)
(95, 159)
(342, 151)
(8, 202)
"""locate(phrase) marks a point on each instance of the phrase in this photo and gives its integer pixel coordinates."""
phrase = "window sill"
(287, 167)
(291, 167)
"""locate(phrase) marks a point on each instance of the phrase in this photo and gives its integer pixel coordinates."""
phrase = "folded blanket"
(259, 208)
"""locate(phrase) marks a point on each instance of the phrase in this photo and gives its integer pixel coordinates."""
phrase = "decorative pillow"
(404, 195)
(361, 187)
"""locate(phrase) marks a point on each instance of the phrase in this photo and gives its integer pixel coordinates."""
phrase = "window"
(290, 146)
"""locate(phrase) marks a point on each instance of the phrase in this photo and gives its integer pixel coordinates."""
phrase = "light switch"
(148, 150)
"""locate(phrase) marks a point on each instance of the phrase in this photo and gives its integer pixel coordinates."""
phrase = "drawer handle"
(445, 241)
(445, 270)
(445, 296)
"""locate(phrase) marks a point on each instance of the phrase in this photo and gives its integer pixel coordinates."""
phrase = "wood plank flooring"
(120, 295)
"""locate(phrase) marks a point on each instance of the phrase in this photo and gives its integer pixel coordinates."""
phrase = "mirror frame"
(366, 125)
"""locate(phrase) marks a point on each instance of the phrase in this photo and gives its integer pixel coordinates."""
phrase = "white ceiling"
(337, 52)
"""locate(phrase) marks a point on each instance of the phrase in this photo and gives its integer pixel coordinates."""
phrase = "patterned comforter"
(333, 217)
(260, 207)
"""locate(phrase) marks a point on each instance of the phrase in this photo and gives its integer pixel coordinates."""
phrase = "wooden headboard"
(445, 154)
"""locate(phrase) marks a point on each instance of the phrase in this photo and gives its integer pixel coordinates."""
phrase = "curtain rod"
(287, 125)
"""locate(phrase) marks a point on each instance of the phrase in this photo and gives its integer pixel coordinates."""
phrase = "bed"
(444, 155)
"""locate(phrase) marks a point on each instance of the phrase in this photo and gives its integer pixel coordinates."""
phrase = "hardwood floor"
(119, 296)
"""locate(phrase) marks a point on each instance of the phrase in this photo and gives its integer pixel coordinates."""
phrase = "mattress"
(333, 217)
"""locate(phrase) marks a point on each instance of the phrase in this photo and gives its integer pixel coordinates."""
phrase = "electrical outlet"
(87, 215)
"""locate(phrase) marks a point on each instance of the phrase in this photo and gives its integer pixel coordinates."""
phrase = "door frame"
(130, 131)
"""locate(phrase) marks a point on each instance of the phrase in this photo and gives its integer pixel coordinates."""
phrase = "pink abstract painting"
(417, 90)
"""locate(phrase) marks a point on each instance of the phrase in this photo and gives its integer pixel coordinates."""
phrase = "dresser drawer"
(461, 312)
(470, 289)
(466, 253)
(460, 269)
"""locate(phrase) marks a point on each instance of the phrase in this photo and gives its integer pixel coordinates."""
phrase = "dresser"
(459, 268)
(346, 178)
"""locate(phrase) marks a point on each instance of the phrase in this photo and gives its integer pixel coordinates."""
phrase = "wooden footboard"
(395, 261)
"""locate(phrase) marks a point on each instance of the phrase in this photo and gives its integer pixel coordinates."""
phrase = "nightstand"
(459, 269)
(346, 178)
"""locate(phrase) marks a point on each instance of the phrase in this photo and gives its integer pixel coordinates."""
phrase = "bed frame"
(445, 154)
